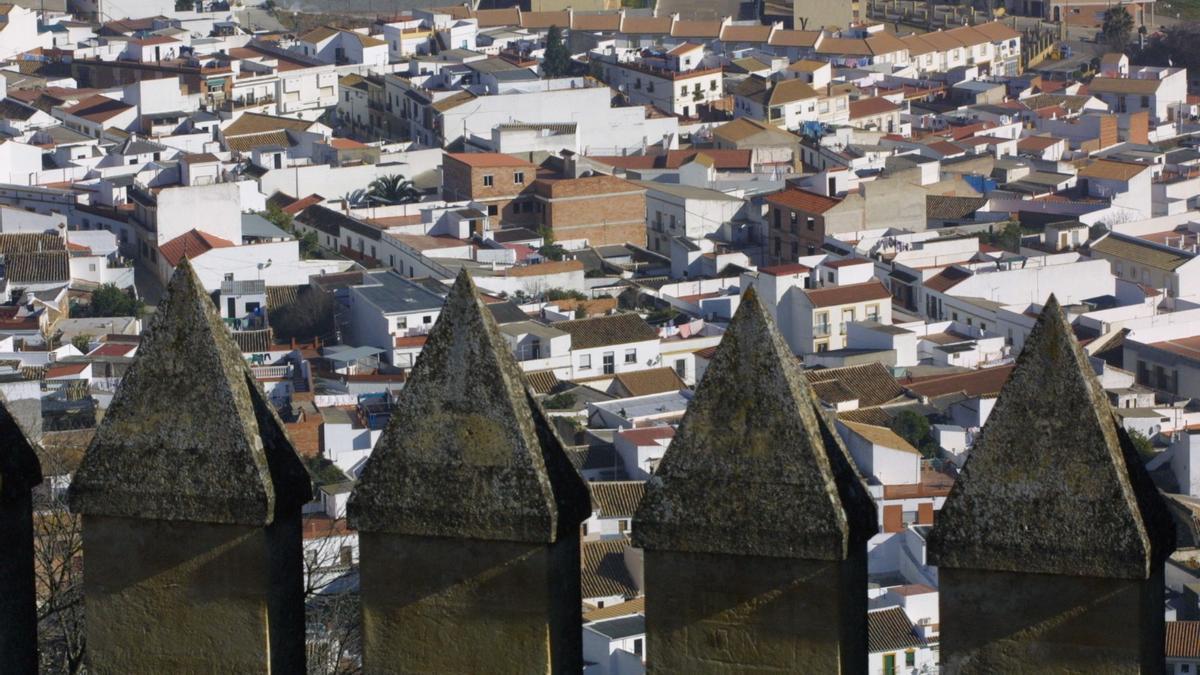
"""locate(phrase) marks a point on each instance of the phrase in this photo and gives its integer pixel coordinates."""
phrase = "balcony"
(232, 104)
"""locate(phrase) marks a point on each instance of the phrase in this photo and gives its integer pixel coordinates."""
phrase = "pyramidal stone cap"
(755, 468)
(468, 453)
(20, 469)
(1053, 485)
(189, 435)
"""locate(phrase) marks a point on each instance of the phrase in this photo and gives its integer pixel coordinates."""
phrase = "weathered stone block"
(451, 605)
(767, 615)
(1005, 622)
(173, 597)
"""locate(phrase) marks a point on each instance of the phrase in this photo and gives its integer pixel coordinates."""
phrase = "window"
(402, 323)
(488, 181)
(872, 312)
(822, 347)
(630, 356)
(778, 219)
(493, 210)
(795, 217)
(637, 647)
(847, 317)
(623, 525)
(821, 323)
(910, 659)
(427, 319)
(519, 177)
(810, 223)
(609, 363)
(585, 361)
(583, 529)
(681, 368)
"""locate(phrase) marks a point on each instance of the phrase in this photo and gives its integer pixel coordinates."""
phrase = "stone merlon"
(1053, 485)
(189, 435)
(468, 453)
(19, 466)
(754, 468)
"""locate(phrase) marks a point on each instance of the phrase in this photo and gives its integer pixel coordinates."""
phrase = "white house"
(605, 345)
(641, 449)
(616, 646)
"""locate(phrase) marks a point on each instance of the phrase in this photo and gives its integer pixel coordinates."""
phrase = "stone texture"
(19, 473)
(754, 469)
(755, 524)
(178, 597)
(191, 495)
(1053, 485)
(1010, 622)
(189, 435)
(467, 453)
(468, 515)
(709, 613)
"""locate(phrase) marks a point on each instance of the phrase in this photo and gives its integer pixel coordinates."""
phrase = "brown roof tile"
(617, 499)
(890, 630)
(603, 569)
(845, 295)
(803, 200)
(603, 331)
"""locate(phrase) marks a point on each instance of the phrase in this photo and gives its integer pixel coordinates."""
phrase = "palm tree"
(394, 189)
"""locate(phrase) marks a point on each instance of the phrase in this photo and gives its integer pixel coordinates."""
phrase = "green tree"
(1142, 444)
(557, 62)
(1117, 28)
(914, 428)
(549, 249)
(82, 342)
(310, 245)
(108, 300)
(1008, 238)
(394, 189)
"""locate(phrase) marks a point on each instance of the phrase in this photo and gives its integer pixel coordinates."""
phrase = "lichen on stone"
(189, 435)
(754, 468)
(467, 452)
(1053, 484)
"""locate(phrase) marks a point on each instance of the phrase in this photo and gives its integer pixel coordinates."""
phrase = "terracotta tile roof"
(603, 570)
(635, 606)
(603, 331)
(113, 349)
(781, 270)
(844, 46)
(871, 383)
(617, 499)
(1142, 252)
(257, 123)
(650, 381)
(794, 38)
(301, 204)
(890, 630)
(997, 31)
(881, 436)
(646, 25)
(866, 107)
(949, 207)
(648, 435)
(985, 382)
(945, 148)
(98, 108)
(545, 19)
(1037, 143)
(845, 295)
(1123, 85)
(946, 279)
(29, 242)
(803, 200)
(696, 29)
(249, 142)
(1108, 169)
(609, 22)
(38, 268)
(191, 243)
(746, 34)
(253, 341)
(541, 381)
(1183, 639)
(492, 18)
